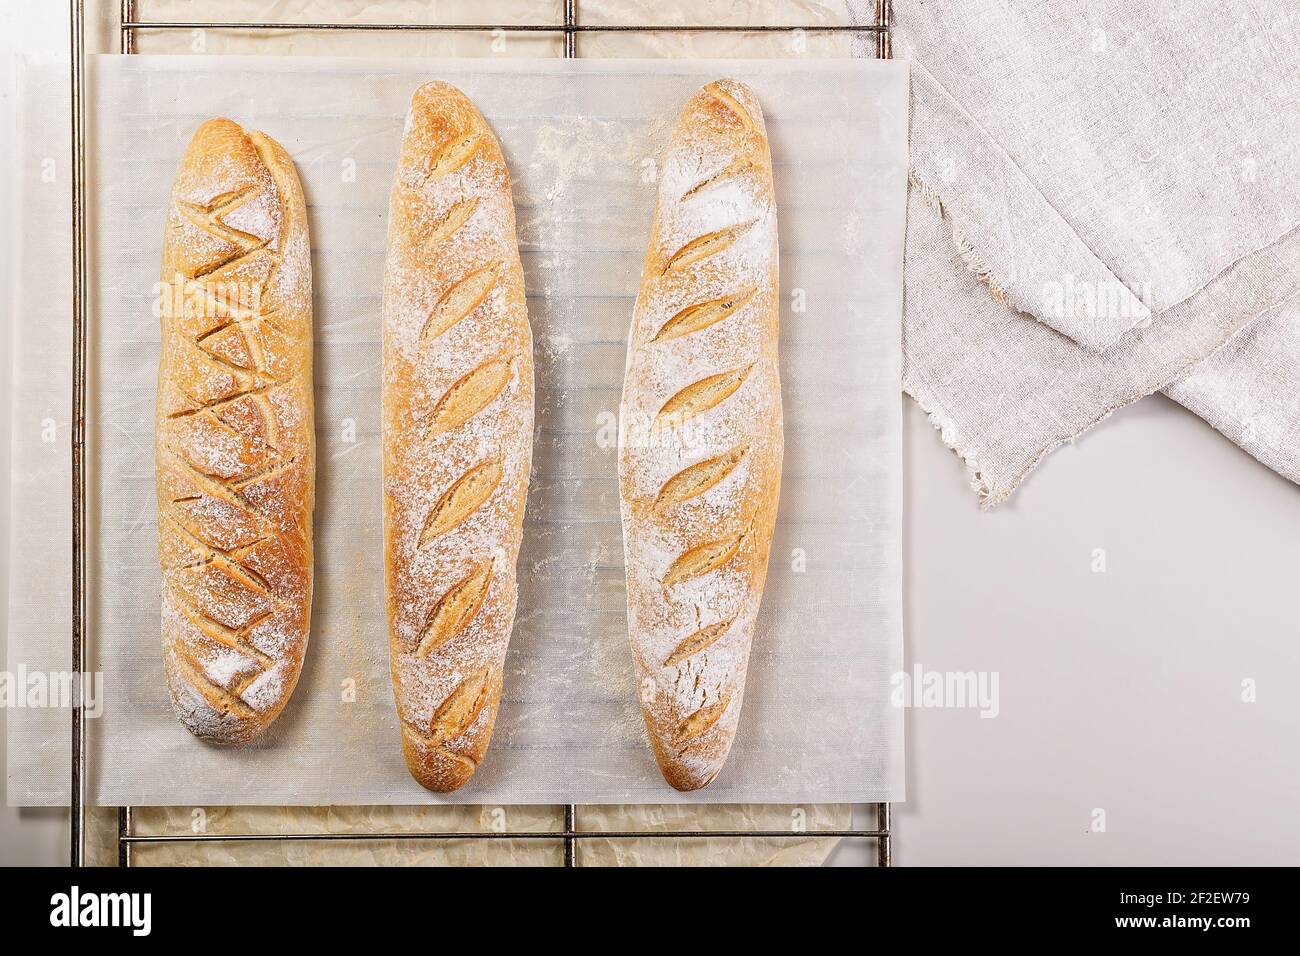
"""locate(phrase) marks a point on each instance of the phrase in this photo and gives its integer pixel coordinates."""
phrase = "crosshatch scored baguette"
(235, 449)
(700, 440)
(458, 428)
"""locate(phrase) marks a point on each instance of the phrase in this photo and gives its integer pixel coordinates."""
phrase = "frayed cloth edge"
(971, 257)
(991, 495)
(947, 430)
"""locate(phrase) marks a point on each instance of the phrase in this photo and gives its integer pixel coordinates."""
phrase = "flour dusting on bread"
(700, 441)
(235, 446)
(458, 424)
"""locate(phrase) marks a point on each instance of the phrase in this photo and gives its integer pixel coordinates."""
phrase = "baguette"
(700, 440)
(234, 442)
(458, 428)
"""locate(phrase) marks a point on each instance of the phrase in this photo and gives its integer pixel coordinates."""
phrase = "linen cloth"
(1104, 194)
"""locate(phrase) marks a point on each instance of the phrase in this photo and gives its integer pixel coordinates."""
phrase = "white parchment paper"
(582, 139)
(39, 334)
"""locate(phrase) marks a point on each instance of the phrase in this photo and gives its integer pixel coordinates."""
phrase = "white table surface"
(1119, 691)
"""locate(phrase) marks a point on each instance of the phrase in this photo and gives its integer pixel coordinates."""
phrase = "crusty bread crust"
(458, 428)
(235, 448)
(700, 440)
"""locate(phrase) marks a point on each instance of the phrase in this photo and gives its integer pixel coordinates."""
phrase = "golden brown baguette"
(234, 447)
(700, 431)
(458, 429)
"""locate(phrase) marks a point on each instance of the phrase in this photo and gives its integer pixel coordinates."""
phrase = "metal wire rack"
(130, 26)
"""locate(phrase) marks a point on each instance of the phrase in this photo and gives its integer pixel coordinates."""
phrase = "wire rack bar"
(77, 791)
(570, 38)
(885, 829)
(124, 838)
(507, 27)
(567, 835)
(570, 835)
